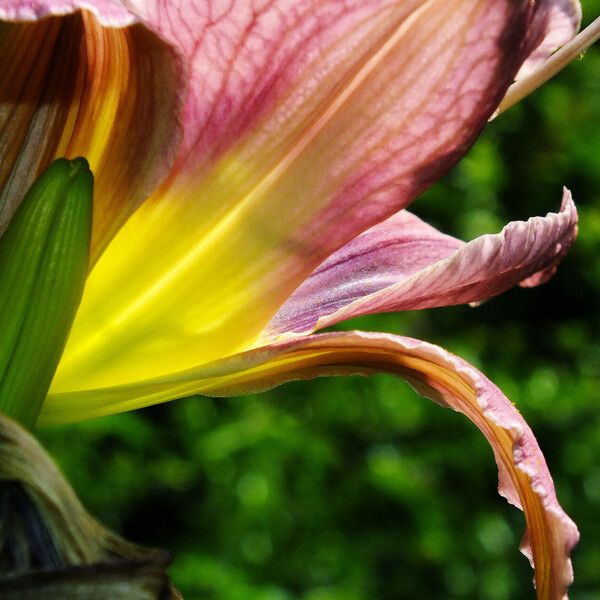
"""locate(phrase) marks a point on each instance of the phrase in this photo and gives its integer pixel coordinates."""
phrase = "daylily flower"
(253, 161)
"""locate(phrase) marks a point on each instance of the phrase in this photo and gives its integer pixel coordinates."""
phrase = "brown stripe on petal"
(35, 96)
(75, 88)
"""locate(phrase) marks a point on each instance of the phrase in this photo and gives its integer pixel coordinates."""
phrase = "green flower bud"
(44, 255)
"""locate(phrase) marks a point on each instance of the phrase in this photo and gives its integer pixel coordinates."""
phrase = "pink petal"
(545, 68)
(305, 124)
(110, 13)
(404, 264)
(524, 479)
(255, 66)
(563, 19)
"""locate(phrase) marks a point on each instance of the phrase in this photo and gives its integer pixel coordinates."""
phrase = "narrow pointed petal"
(563, 19)
(550, 67)
(72, 87)
(404, 264)
(305, 124)
(524, 479)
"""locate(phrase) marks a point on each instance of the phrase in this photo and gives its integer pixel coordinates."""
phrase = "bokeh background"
(354, 489)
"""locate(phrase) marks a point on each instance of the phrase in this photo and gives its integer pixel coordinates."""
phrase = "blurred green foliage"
(352, 489)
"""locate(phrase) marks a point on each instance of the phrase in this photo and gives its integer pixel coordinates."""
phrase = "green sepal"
(44, 255)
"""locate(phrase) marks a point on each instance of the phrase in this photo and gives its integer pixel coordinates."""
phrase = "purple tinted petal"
(404, 264)
(379, 258)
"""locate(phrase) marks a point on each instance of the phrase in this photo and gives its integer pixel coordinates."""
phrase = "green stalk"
(44, 255)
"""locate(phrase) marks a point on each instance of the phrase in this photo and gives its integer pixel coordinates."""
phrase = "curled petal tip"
(524, 478)
(567, 221)
(404, 264)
